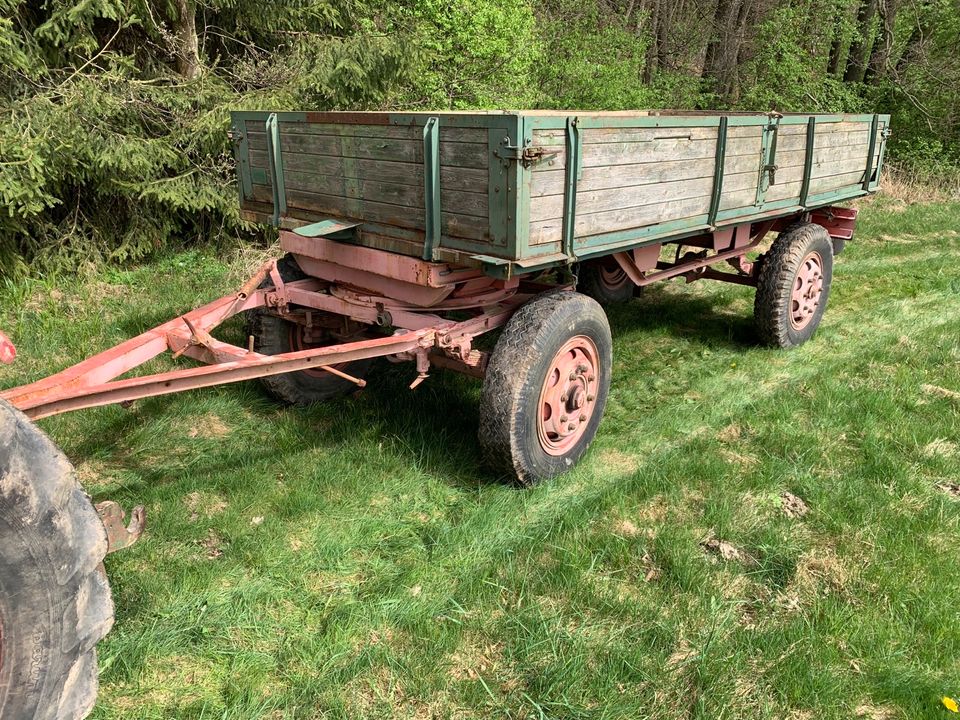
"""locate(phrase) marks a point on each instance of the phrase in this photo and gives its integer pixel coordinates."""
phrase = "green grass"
(355, 559)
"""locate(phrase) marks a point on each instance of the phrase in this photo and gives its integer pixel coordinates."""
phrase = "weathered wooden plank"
(471, 155)
(453, 178)
(782, 190)
(834, 182)
(838, 167)
(551, 207)
(734, 164)
(411, 242)
(592, 136)
(601, 154)
(547, 231)
(793, 158)
(823, 128)
(396, 132)
(451, 200)
(799, 142)
(465, 226)
(551, 182)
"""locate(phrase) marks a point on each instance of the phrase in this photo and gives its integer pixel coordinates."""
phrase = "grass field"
(356, 560)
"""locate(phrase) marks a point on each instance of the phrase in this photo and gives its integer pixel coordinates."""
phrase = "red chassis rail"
(93, 382)
(368, 288)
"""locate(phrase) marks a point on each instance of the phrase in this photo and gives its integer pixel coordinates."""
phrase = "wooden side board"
(635, 177)
(506, 181)
(375, 173)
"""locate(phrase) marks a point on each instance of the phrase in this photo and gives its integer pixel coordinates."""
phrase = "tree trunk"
(651, 63)
(861, 46)
(836, 45)
(720, 66)
(188, 50)
(880, 57)
(911, 49)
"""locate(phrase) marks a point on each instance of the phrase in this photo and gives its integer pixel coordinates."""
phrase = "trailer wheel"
(605, 281)
(55, 602)
(273, 335)
(793, 285)
(546, 386)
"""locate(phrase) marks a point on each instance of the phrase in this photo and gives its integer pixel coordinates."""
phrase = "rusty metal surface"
(8, 352)
(120, 535)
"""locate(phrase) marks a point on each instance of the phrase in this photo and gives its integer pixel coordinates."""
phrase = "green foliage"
(472, 53)
(113, 136)
(788, 70)
(592, 58)
(108, 153)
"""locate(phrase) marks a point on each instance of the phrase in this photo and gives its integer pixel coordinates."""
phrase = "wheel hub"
(568, 395)
(807, 291)
(301, 339)
(611, 274)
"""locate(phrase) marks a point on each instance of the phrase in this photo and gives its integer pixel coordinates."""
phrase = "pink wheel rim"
(568, 396)
(611, 274)
(807, 291)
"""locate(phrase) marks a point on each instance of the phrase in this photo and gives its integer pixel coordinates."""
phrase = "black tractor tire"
(55, 601)
(510, 402)
(780, 272)
(605, 281)
(273, 335)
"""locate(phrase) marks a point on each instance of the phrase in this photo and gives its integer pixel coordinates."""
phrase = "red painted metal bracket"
(839, 222)
(421, 335)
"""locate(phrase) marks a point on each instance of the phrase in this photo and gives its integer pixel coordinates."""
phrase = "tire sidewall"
(304, 388)
(821, 245)
(31, 611)
(527, 447)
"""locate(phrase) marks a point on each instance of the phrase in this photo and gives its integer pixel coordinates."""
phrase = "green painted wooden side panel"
(513, 152)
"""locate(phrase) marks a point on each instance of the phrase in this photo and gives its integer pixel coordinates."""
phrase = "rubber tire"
(778, 273)
(514, 378)
(271, 336)
(55, 602)
(590, 282)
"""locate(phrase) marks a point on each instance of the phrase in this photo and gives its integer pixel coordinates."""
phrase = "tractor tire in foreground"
(605, 281)
(794, 285)
(546, 386)
(273, 336)
(55, 602)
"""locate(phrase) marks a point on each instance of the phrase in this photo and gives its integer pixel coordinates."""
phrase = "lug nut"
(591, 378)
(589, 398)
(571, 426)
(563, 418)
(573, 377)
(583, 418)
(563, 398)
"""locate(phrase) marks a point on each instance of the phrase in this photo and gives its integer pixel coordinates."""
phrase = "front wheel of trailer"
(793, 285)
(546, 387)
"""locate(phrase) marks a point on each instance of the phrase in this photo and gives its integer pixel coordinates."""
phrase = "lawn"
(754, 534)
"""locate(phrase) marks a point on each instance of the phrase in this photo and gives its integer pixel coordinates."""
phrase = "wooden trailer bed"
(514, 192)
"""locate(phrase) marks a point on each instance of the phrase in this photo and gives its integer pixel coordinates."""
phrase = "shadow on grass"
(696, 318)
(432, 428)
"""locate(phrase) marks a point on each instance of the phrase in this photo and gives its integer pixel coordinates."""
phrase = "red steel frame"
(371, 288)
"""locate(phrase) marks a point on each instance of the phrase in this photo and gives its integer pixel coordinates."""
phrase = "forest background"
(113, 139)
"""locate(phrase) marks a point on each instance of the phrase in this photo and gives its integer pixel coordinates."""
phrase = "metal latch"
(525, 155)
(771, 171)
